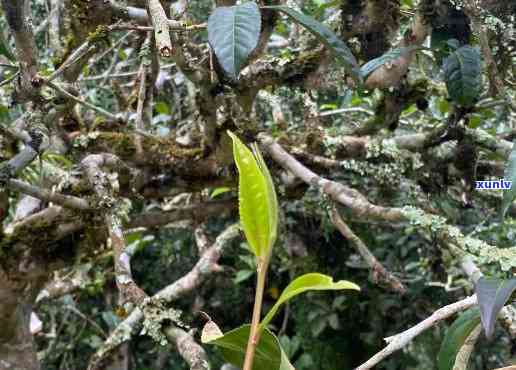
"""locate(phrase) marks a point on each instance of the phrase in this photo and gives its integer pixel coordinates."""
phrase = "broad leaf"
(455, 337)
(269, 354)
(312, 281)
(492, 294)
(390, 56)
(257, 199)
(463, 75)
(509, 175)
(327, 37)
(233, 33)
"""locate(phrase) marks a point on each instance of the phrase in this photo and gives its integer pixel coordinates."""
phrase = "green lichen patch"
(156, 317)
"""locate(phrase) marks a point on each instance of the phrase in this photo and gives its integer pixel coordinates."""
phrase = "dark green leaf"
(509, 175)
(269, 355)
(463, 75)
(327, 37)
(391, 55)
(492, 294)
(233, 32)
(456, 336)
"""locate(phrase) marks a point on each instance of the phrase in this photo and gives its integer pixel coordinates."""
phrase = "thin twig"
(99, 110)
(116, 44)
(140, 126)
(74, 57)
(122, 75)
(346, 110)
(9, 79)
(380, 273)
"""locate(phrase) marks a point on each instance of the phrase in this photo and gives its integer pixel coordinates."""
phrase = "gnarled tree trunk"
(17, 349)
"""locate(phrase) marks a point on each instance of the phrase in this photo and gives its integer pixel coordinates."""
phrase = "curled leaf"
(258, 205)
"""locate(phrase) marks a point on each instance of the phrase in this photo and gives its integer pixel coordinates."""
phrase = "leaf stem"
(254, 335)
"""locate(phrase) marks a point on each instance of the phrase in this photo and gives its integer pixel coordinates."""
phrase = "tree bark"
(17, 349)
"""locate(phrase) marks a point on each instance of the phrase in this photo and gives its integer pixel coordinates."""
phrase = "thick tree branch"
(161, 29)
(199, 212)
(19, 19)
(188, 348)
(47, 195)
(348, 197)
(38, 143)
(92, 164)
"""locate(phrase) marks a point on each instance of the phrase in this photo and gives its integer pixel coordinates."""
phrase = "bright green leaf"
(444, 106)
(268, 356)
(122, 55)
(233, 33)
(162, 107)
(312, 281)
(463, 75)
(327, 37)
(456, 336)
(257, 199)
(218, 191)
(272, 199)
(475, 121)
(509, 175)
(492, 294)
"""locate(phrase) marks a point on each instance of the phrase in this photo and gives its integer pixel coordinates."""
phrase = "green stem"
(254, 335)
